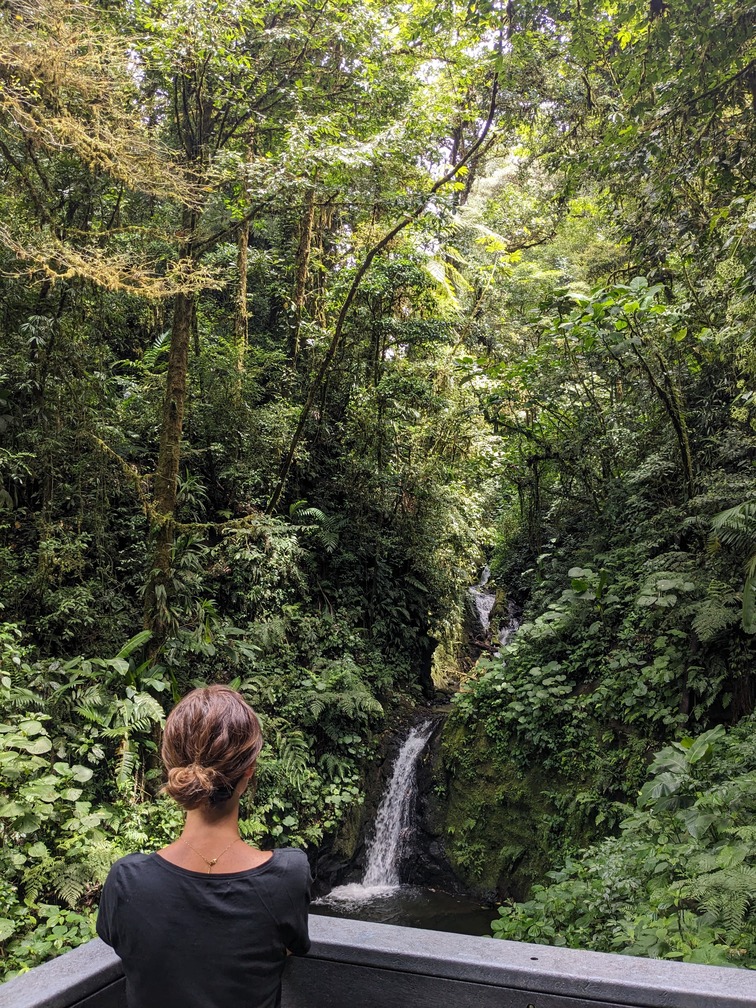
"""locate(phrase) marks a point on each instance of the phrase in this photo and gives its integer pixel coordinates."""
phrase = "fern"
(357, 704)
(337, 769)
(161, 346)
(37, 877)
(92, 714)
(126, 765)
(53, 875)
(21, 699)
(716, 613)
(71, 884)
(727, 894)
(317, 705)
(325, 527)
(294, 757)
(69, 880)
(260, 689)
(736, 527)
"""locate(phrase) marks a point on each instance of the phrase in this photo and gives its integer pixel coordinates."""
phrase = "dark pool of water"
(409, 906)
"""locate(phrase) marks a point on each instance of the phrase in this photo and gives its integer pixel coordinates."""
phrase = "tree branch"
(343, 314)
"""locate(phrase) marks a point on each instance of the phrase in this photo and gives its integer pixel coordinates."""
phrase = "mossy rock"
(348, 835)
(494, 817)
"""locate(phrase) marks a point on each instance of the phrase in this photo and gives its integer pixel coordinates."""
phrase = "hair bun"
(192, 785)
(211, 740)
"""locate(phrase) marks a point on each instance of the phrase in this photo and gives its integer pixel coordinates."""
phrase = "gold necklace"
(215, 860)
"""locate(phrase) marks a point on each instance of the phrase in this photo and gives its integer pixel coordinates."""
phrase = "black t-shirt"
(192, 940)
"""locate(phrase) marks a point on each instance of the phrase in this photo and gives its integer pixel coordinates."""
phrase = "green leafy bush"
(679, 882)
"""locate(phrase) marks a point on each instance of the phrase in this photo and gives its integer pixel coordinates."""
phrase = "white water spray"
(508, 628)
(392, 825)
(483, 599)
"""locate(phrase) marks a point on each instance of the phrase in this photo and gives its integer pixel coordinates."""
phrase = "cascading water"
(483, 600)
(508, 628)
(381, 896)
(392, 825)
(393, 821)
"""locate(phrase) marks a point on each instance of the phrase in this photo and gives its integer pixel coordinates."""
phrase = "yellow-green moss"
(494, 818)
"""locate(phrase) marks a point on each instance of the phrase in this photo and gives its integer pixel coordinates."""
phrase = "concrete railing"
(354, 964)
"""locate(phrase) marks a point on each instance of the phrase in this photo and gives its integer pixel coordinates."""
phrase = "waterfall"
(508, 627)
(483, 600)
(392, 825)
(393, 820)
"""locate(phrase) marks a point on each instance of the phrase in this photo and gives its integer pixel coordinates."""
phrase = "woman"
(207, 922)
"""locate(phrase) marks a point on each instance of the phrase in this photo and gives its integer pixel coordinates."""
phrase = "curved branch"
(343, 314)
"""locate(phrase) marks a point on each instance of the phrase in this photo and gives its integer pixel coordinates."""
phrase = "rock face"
(431, 866)
(484, 824)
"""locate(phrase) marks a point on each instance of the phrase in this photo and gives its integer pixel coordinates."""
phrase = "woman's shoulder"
(290, 861)
(129, 865)
(290, 856)
(289, 852)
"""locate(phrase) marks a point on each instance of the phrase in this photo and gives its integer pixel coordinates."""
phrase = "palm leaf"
(736, 527)
(136, 642)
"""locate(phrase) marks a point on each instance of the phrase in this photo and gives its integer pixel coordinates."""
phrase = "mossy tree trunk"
(157, 612)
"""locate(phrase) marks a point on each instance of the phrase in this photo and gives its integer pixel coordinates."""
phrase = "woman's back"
(190, 939)
(191, 933)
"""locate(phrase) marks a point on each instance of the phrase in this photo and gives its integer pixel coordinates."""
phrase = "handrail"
(356, 964)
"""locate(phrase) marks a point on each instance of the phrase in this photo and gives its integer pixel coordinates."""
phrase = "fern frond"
(735, 520)
(294, 757)
(312, 512)
(718, 612)
(334, 767)
(37, 877)
(727, 894)
(92, 714)
(70, 884)
(22, 699)
(736, 527)
(126, 765)
(317, 706)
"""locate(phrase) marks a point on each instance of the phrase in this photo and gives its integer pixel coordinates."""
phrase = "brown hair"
(211, 738)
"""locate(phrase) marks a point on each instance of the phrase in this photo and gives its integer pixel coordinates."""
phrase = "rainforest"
(310, 312)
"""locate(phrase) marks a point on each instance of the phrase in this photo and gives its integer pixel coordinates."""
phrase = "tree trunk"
(302, 271)
(157, 610)
(241, 317)
(670, 399)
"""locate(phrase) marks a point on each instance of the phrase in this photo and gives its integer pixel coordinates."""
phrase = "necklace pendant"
(214, 861)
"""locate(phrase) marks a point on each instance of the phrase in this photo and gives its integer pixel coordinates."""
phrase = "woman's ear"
(245, 778)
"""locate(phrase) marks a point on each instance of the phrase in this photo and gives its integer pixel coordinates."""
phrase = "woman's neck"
(209, 842)
(212, 821)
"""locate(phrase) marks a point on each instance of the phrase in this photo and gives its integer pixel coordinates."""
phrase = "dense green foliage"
(304, 309)
(619, 378)
(230, 450)
(678, 880)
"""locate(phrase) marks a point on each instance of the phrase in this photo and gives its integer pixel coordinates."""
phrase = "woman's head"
(212, 738)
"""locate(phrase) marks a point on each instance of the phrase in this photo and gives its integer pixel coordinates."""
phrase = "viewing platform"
(355, 964)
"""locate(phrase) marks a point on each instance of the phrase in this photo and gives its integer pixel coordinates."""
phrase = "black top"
(192, 940)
